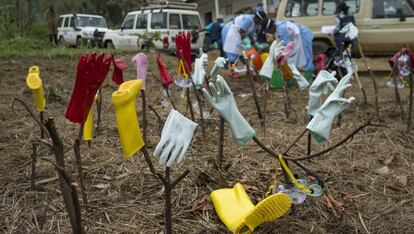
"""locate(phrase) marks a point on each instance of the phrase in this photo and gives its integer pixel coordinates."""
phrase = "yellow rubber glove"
(237, 212)
(88, 126)
(34, 83)
(126, 117)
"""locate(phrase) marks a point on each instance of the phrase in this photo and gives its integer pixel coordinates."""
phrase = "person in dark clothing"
(342, 18)
(52, 24)
(214, 30)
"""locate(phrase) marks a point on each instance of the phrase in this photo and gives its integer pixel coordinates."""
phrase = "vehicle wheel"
(109, 45)
(319, 47)
(79, 42)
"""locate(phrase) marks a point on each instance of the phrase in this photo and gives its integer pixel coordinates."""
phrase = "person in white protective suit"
(236, 30)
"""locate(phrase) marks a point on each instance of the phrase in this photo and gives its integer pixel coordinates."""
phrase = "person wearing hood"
(236, 30)
(52, 25)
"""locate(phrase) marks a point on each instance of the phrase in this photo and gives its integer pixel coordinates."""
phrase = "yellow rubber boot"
(88, 125)
(126, 116)
(237, 212)
(34, 83)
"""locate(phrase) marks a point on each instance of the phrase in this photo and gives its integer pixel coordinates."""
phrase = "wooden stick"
(220, 145)
(332, 147)
(361, 87)
(410, 108)
(371, 73)
(246, 62)
(68, 192)
(168, 213)
(42, 132)
(266, 93)
(144, 113)
(34, 158)
(98, 109)
(76, 148)
(160, 122)
(169, 97)
(189, 104)
(200, 105)
(397, 93)
(309, 143)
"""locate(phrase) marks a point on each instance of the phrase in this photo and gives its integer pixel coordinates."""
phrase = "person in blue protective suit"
(214, 30)
(302, 36)
(236, 30)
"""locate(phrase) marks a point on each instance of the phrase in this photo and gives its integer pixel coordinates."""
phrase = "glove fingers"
(177, 154)
(208, 96)
(166, 153)
(183, 152)
(214, 92)
(173, 155)
(159, 147)
(225, 86)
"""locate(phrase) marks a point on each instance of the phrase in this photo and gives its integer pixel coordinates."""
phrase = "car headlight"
(87, 34)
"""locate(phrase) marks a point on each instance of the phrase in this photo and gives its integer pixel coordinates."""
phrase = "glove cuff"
(240, 130)
(320, 127)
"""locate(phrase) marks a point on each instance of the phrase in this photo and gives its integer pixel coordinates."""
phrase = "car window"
(295, 8)
(329, 6)
(141, 21)
(390, 9)
(175, 22)
(66, 23)
(60, 22)
(159, 20)
(191, 22)
(72, 22)
(128, 22)
(86, 21)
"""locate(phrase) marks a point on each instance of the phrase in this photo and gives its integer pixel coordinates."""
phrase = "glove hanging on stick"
(222, 100)
(175, 138)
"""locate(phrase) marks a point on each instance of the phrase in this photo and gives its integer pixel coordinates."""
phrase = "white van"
(76, 29)
(169, 19)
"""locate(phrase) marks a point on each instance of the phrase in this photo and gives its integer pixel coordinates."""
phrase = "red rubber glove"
(119, 67)
(165, 76)
(183, 43)
(90, 74)
(319, 62)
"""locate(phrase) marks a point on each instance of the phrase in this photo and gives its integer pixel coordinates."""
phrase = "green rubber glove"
(321, 123)
(247, 43)
(223, 101)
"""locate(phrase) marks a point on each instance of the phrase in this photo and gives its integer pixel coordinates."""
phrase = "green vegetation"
(21, 46)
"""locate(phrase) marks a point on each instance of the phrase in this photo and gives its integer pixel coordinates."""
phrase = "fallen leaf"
(383, 170)
(401, 180)
(199, 204)
(102, 186)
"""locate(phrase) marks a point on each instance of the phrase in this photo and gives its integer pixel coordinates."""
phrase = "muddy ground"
(124, 197)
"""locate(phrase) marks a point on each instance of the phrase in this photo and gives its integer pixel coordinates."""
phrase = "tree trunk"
(29, 16)
(18, 12)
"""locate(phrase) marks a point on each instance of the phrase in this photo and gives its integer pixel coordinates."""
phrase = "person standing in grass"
(52, 24)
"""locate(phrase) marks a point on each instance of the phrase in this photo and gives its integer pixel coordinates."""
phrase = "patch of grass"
(23, 47)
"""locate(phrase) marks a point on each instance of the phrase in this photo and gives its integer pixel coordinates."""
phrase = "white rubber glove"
(350, 30)
(269, 65)
(321, 85)
(199, 73)
(218, 65)
(176, 137)
(302, 82)
(222, 100)
(204, 59)
(321, 123)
